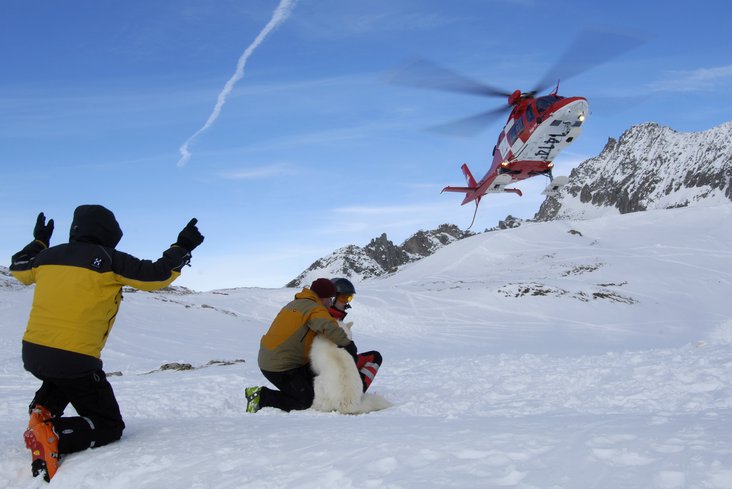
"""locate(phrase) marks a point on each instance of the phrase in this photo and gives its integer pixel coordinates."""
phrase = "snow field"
(504, 368)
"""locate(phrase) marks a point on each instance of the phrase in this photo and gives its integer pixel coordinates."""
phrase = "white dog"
(337, 384)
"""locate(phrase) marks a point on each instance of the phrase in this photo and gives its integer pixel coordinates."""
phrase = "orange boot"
(38, 414)
(42, 441)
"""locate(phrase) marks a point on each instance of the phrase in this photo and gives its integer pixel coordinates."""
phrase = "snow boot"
(368, 366)
(38, 414)
(253, 395)
(42, 441)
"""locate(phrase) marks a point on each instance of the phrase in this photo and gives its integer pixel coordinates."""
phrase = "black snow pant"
(295, 389)
(99, 421)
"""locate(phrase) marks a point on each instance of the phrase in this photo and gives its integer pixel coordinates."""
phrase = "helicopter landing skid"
(553, 188)
(477, 202)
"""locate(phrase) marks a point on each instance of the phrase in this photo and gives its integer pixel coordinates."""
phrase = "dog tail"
(370, 402)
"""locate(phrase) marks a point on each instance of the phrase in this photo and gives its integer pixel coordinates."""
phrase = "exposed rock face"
(380, 256)
(509, 223)
(386, 254)
(424, 243)
(649, 167)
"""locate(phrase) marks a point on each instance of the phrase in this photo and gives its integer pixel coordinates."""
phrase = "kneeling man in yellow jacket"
(77, 295)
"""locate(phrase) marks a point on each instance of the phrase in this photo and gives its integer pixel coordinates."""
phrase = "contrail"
(280, 14)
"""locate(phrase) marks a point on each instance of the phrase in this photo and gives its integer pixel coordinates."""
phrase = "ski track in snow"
(490, 390)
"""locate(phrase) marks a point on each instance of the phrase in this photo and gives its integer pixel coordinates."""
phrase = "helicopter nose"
(583, 108)
(577, 111)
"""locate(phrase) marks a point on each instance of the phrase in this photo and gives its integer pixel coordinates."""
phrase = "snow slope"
(648, 167)
(574, 355)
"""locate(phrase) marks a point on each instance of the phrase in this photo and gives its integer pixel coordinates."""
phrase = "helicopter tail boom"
(468, 176)
(471, 191)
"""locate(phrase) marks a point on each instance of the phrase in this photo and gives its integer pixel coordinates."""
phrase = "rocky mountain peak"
(649, 167)
(385, 253)
(380, 256)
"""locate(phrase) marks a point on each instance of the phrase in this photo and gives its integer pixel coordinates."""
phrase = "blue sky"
(312, 149)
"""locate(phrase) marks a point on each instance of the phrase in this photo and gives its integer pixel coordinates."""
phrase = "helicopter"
(538, 127)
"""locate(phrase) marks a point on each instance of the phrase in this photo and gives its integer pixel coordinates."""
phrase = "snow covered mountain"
(381, 256)
(649, 167)
(562, 354)
(7, 281)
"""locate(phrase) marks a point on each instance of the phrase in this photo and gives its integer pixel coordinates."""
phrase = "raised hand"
(190, 237)
(43, 231)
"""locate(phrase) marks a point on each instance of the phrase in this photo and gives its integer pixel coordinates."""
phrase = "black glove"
(189, 238)
(42, 232)
(351, 349)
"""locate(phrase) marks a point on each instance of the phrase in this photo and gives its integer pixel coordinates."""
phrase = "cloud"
(259, 173)
(384, 22)
(280, 14)
(694, 80)
(321, 138)
(362, 223)
(374, 18)
(393, 210)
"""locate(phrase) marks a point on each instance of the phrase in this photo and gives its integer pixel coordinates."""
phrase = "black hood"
(95, 224)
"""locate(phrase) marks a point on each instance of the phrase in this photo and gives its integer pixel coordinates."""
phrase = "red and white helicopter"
(538, 127)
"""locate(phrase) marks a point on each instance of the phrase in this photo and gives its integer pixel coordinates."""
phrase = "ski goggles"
(344, 298)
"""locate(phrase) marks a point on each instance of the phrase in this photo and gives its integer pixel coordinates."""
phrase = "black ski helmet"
(343, 286)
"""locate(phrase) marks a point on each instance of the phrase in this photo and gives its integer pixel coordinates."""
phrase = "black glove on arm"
(190, 237)
(42, 232)
(351, 349)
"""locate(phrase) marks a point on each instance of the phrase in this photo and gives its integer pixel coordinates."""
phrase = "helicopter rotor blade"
(591, 48)
(470, 126)
(421, 73)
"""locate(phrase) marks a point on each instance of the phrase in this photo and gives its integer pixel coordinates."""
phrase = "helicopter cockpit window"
(515, 130)
(529, 114)
(543, 103)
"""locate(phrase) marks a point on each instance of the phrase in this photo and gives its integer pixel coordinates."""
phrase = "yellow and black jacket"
(286, 345)
(79, 290)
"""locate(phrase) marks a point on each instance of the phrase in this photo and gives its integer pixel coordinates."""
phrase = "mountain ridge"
(380, 256)
(649, 167)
